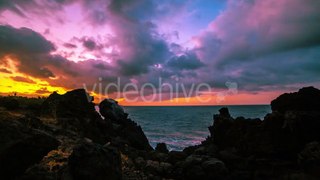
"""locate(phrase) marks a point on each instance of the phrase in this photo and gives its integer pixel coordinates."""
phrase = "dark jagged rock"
(222, 122)
(162, 148)
(93, 161)
(310, 155)
(285, 145)
(176, 156)
(126, 129)
(214, 168)
(227, 131)
(9, 103)
(110, 109)
(133, 133)
(73, 104)
(306, 99)
(74, 110)
(21, 147)
(309, 158)
(251, 145)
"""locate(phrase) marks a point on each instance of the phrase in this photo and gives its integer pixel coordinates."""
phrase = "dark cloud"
(262, 50)
(16, 6)
(14, 40)
(43, 90)
(136, 36)
(246, 30)
(89, 44)
(23, 79)
(69, 45)
(28, 47)
(187, 61)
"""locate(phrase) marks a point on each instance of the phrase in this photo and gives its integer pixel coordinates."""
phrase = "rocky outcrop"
(110, 109)
(93, 161)
(21, 147)
(75, 111)
(277, 140)
(162, 148)
(126, 130)
(306, 99)
(284, 145)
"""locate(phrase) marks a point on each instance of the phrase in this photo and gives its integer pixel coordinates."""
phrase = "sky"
(169, 52)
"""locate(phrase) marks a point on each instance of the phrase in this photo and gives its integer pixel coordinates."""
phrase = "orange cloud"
(16, 82)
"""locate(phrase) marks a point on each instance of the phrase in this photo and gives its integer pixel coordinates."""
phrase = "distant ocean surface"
(182, 126)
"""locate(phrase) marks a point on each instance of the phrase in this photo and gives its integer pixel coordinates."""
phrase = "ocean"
(182, 126)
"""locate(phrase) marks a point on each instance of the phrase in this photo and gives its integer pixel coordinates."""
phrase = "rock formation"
(21, 147)
(93, 161)
(71, 140)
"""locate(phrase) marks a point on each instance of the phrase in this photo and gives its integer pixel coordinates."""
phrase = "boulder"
(222, 122)
(229, 132)
(306, 99)
(140, 162)
(21, 147)
(153, 167)
(10, 103)
(214, 168)
(127, 130)
(310, 155)
(75, 104)
(93, 161)
(110, 109)
(133, 133)
(176, 156)
(75, 111)
(162, 148)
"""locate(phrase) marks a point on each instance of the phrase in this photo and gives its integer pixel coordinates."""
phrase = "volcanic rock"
(306, 99)
(93, 161)
(110, 109)
(21, 147)
(162, 148)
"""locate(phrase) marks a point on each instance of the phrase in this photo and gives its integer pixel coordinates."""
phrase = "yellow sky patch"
(32, 87)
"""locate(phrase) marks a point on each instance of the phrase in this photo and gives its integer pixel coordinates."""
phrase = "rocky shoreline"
(67, 139)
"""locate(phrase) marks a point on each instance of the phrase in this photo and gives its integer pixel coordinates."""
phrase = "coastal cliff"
(65, 138)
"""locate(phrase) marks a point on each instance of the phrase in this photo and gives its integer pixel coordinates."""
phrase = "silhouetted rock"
(310, 155)
(309, 159)
(110, 109)
(283, 145)
(133, 133)
(214, 168)
(127, 130)
(162, 147)
(10, 103)
(306, 99)
(93, 161)
(73, 104)
(21, 147)
(176, 156)
(74, 110)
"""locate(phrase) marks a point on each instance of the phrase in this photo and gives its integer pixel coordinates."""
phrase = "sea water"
(182, 126)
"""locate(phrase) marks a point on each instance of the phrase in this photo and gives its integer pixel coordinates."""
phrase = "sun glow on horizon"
(14, 82)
